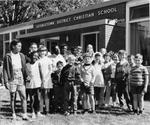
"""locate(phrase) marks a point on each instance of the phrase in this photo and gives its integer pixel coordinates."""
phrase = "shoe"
(140, 112)
(14, 117)
(39, 114)
(92, 112)
(33, 115)
(75, 112)
(25, 117)
(66, 113)
(136, 112)
(85, 111)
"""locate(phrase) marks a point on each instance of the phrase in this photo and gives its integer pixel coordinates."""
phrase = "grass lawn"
(111, 116)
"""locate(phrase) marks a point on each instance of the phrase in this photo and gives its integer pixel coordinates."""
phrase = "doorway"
(90, 38)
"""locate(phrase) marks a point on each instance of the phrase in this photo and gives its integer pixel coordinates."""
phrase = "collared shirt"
(16, 61)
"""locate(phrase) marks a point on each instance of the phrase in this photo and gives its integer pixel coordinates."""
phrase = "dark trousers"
(58, 97)
(70, 96)
(34, 95)
(122, 89)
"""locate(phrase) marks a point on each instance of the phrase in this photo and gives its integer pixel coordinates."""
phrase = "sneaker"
(136, 112)
(140, 112)
(66, 113)
(25, 117)
(33, 115)
(14, 116)
(106, 105)
(39, 114)
(92, 112)
(85, 111)
(114, 104)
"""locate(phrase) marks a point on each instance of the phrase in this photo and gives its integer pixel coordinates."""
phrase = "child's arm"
(146, 80)
(93, 77)
(41, 75)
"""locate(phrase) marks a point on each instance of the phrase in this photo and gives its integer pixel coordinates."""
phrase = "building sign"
(110, 12)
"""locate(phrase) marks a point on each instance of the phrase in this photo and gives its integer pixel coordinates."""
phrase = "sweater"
(8, 68)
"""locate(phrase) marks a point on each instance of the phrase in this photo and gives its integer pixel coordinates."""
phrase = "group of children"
(87, 81)
(65, 83)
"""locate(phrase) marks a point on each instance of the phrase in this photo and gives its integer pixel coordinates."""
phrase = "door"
(90, 38)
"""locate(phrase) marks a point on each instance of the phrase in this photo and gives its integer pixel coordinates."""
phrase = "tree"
(18, 11)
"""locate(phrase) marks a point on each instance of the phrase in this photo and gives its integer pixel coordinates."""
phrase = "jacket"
(8, 68)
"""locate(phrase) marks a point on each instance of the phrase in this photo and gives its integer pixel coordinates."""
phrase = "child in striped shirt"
(139, 82)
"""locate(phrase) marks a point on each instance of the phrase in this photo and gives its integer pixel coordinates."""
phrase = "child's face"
(35, 57)
(107, 58)
(138, 61)
(115, 60)
(130, 60)
(98, 58)
(122, 56)
(71, 61)
(59, 67)
(43, 53)
(87, 60)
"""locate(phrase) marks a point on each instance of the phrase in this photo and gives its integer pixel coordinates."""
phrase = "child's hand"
(144, 90)
(28, 78)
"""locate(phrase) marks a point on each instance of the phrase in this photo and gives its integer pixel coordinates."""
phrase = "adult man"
(14, 70)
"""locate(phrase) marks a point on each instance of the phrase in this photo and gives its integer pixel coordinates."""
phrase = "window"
(140, 40)
(7, 47)
(6, 37)
(14, 34)
(139, 12)
(22, 32)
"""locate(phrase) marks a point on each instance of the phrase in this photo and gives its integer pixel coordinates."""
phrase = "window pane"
(6, 36)
(14, 34)
(140, 40)
(1, 46)
(139, 12)
(7, 47)
(22, 32)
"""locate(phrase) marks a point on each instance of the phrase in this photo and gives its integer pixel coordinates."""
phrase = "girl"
(99, 86)
(45, 65)
(33, 84)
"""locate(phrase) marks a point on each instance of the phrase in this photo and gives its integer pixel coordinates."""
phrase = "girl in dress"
(33, 84)
(45, 65)
(99, 86)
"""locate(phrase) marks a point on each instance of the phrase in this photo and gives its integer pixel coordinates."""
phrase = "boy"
(139, 83)
(88, 78)
(57, 87)
(107, 71)
(68, 78)
(131, 64)
(121, 76)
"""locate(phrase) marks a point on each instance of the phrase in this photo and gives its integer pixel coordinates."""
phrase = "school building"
(115, 25)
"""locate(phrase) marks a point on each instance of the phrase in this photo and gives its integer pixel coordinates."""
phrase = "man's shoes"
(25, 117)
(14, 117)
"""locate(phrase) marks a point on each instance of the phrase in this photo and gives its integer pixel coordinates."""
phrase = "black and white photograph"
(74, 62)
